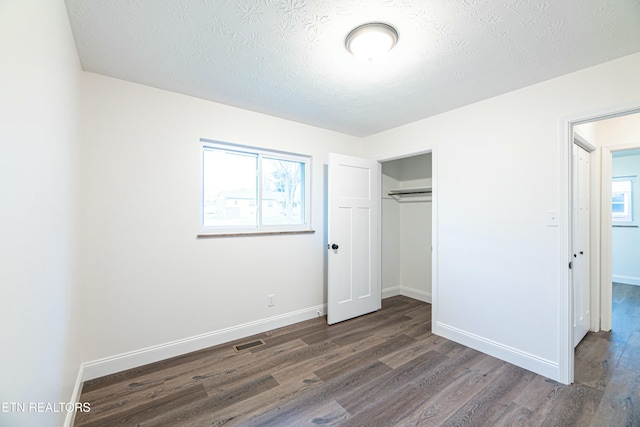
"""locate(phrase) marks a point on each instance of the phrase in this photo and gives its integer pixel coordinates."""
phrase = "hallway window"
(622, 200)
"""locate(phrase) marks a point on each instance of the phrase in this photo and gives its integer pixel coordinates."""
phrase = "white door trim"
(606, 267)
(581, 142)
(425, 149)
(606, 250)
(565, 308)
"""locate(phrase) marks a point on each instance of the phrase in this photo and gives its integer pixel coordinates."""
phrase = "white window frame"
(305, 226)
(630, 201)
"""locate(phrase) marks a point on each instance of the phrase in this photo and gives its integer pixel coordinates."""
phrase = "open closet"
(406, 227)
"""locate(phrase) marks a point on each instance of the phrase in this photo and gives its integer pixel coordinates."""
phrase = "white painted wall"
(406, 228)
(149, 280)
(625, 241)
(39, 292)
(390, 231)
(587, 131)
(619, 132)
(500, 268)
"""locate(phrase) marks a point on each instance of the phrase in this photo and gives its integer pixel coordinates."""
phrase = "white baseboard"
(133, 359)
(629, 280)
(121, 362)
(525, 360)
(390, 292)
(75, 397)
(415, 294)
(407, 292)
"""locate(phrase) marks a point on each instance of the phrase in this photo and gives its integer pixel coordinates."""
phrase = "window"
(622, 200)
(253, 190)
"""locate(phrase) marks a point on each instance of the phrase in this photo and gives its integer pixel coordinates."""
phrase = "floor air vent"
(248, 345)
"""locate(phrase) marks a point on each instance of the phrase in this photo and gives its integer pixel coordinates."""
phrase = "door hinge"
(570, 264)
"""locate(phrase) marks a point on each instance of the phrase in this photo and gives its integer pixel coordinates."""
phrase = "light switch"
(552, 219)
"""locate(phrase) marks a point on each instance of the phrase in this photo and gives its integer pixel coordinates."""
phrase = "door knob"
(334, 247)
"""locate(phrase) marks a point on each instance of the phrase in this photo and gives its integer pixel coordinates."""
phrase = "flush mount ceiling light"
(370, 42)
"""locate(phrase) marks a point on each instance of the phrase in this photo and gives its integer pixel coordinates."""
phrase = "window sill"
(257, 233)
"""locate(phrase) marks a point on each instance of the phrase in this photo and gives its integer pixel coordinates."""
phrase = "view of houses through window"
(247, 188)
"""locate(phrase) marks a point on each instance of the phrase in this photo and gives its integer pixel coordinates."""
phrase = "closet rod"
(402, 191)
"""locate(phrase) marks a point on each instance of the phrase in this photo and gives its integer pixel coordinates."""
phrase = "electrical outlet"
(271, 300)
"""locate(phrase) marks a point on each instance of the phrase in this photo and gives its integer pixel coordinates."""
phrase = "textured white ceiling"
(286, 58)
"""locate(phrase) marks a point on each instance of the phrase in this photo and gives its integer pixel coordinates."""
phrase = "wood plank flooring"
(382, 369)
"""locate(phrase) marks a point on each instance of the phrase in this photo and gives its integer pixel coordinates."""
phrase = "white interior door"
(354, 224)
(580, 244)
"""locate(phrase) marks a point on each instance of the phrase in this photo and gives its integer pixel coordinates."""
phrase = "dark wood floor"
(383, 369)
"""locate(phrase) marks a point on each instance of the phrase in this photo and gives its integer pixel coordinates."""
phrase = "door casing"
(425, 149)
(602, 251)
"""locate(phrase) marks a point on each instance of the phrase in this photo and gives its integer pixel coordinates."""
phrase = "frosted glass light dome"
(372, 41)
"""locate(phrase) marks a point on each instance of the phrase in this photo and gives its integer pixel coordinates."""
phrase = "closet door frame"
(426, 149)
